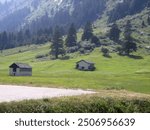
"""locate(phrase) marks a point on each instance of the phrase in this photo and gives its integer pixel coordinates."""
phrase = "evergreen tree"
(39, 32)
(129, 45)
(148, 20)
(148, 4)
(88, 32)
(1, 44)
(143, 24)
(4, 41)
(71, 39)
(48, 32)
(27, 34)
(20, 37)
(128, 29)
(96, 41)
(114, 33)
(105, 52)
(57, 47)
(27, 37)
(62, 30)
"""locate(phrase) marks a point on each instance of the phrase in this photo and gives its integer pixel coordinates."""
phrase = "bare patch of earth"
(17, 93)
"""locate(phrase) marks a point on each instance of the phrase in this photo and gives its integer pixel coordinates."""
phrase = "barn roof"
(21, 65)
(88, 62)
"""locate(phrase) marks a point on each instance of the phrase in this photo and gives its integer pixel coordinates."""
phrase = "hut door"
(14, 69)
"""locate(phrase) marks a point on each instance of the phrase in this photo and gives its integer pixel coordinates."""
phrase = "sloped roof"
(88, 62)
(21, 65)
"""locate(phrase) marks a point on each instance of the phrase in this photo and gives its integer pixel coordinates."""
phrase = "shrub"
(72, 49)
(87, 45)
(120, 51)
(82, 51)
(96, 41)
(105, 52)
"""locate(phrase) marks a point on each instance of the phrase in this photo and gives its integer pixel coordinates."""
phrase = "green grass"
(111, 73)
(82, 104)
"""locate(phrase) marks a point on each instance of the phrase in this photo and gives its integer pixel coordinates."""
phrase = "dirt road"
(17, 93)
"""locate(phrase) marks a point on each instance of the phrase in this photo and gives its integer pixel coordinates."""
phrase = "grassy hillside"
(118, 72)
(111, 73)
(104, 102)
(140, 33)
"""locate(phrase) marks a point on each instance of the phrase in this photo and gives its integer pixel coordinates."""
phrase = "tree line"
(89, 41)
(128, 45)
(61, 45)
(24, 37)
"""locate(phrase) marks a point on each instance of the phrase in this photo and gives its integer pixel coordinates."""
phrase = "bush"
(105, 52)
(86, 45)
(72, 49)
(120, 51)
(82, 51)
(96, 41)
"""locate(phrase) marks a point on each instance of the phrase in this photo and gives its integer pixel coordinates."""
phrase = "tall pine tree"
(114, 33)
(71, 39)
(88, 32)
(20, 37)
(148, 20)
(4, 41)
(1, 44)
(129, 45)
(57, 47)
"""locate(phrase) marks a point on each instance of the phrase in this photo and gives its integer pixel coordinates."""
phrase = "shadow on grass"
(107, 56)
(65, 58)
(135, 57)
(61, 58)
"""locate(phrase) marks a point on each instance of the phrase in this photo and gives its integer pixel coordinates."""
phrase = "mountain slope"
(34, 12)
(140, 26)
(127, 7)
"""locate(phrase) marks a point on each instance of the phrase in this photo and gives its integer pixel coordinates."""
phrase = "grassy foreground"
(111, 73)
(83, 104)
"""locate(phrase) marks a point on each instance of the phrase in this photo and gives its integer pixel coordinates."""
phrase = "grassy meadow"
(132, 74)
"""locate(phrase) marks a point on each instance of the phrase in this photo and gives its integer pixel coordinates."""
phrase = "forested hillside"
(127, 7)
(26, 22)
(42, 13)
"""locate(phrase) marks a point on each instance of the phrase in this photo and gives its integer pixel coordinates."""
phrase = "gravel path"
(17, 93)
